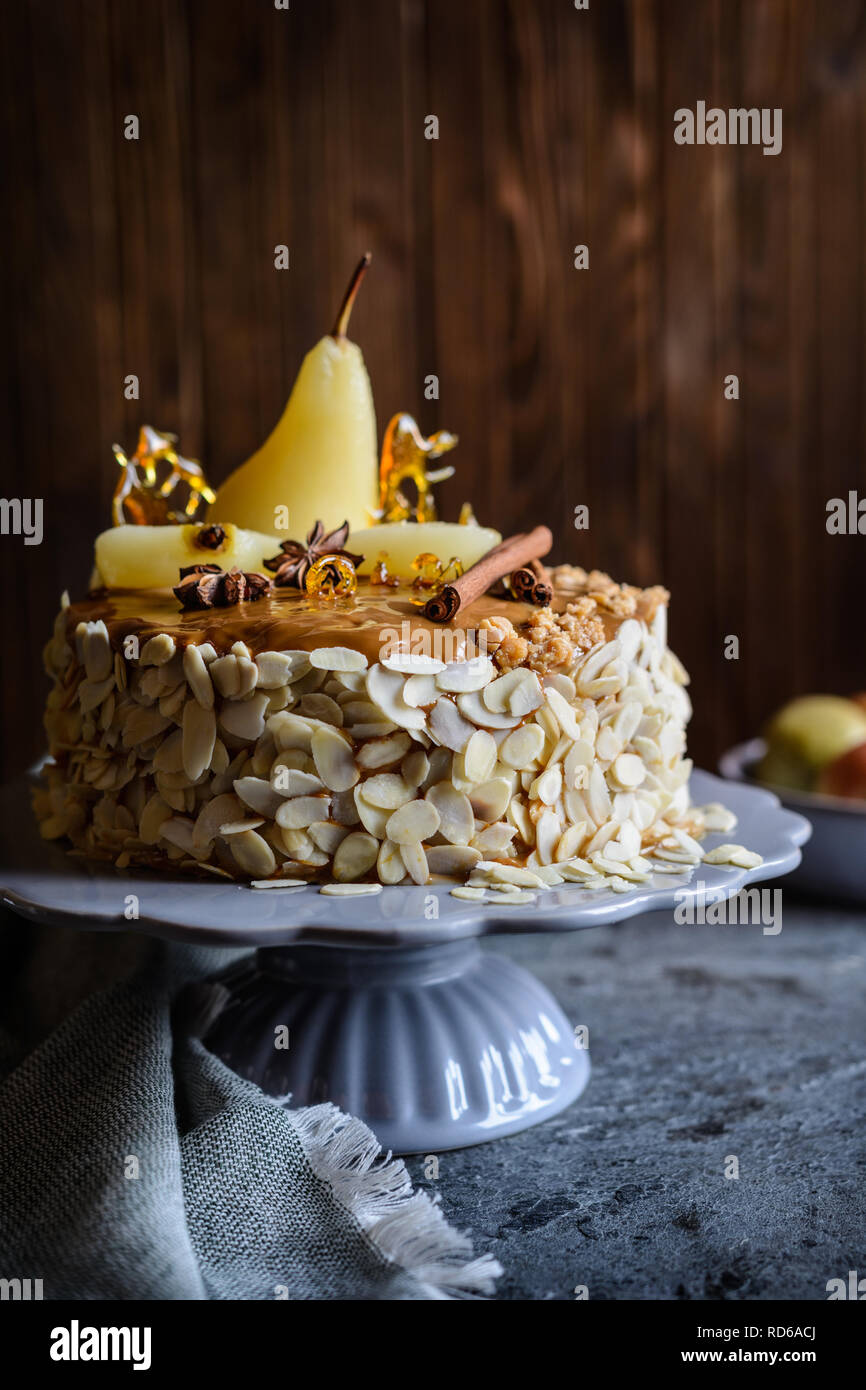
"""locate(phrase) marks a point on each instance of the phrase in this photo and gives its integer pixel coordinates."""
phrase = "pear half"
(150, 557)
(320, 460)
(402, 541)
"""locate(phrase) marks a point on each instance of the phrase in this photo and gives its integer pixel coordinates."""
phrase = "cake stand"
(385, 1005)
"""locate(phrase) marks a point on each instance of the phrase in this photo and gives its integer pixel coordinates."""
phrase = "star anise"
(290, 568)
(211, 537)
(207, 586)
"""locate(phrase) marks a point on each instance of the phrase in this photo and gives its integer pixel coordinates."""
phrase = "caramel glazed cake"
(294, 743)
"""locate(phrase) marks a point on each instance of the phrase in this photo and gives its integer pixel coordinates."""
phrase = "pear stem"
(342, 320)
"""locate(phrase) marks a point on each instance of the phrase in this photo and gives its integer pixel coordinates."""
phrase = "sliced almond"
(214, 813)
(321, 707)
(226, 676)
(453, 860)
(273, 669)
(240, 827)
(473, 707)
(388, 791)
(600, 839)
(498, 694)
(420, 690)
(576, 764)
(350, 890)
(569, 842)
(169, 755)
(292, 781)
(335, 762)
(279, 883)
(415, 861)
(385, 689)
(577, 870)
(448, 726)
(413, 664)
(718, 817)
(456, 816)
(245, 718)
(494, 839)
(198, 676)
(311, 680)
(373, 818)
(389, 864)
(548, 829)
(301, 811)
(511, 874)
(628, 639)
(259, 795)
(523, 747)
(253, 854)
(490, 800)
(291, 731)
(479, 756)
(462, 676)
(199, 736)
(351, 682)
(628, 771)
(337, 659)
(178, 832)
(157, 651)
(97, 656)
(376, 729)
(415, 767)
(326, 835)
(141, 725)
(381, 752)
(91, 695)
(297, 843)
(598, 796)
(355, 856)
(627, 720)
(564, 684)
(564, 713)
(607, 744)
(412, 823)
(547, 787)
(737, 855)
(154, 815)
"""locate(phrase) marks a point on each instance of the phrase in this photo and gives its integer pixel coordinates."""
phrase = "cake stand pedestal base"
(434, 1047)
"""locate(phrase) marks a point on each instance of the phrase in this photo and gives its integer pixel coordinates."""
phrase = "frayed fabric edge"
(406, 1227)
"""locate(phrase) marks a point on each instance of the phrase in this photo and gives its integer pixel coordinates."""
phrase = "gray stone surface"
(706, 1042)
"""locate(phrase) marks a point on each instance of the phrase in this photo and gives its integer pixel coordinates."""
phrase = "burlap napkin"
(134, 1164)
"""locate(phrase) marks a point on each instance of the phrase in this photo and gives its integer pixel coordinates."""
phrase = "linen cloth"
(135, 1165)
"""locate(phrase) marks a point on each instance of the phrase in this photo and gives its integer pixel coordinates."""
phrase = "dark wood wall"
(603, 386)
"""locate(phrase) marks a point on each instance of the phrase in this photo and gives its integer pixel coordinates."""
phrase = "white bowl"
(834, 860)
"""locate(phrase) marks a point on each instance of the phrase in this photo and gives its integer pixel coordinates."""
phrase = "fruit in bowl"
(817, 743)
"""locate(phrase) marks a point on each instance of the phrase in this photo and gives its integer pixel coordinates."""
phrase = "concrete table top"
(709, 1044)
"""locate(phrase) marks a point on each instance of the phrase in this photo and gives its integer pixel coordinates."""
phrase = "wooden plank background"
(605, 387)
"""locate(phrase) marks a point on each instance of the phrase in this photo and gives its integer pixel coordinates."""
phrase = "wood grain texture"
(604, 387)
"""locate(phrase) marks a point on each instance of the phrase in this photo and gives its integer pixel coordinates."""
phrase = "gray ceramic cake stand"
(385, 1005)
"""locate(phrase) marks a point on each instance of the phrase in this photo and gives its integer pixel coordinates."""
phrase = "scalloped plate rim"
(565, 908)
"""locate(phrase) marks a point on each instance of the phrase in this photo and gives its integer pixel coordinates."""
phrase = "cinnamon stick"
(510, 555)
(530, 584)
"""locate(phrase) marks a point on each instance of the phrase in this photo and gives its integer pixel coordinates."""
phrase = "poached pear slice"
(151, 557)
(402, 541)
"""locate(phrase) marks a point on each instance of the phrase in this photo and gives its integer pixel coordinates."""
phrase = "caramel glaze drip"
(286, 620)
